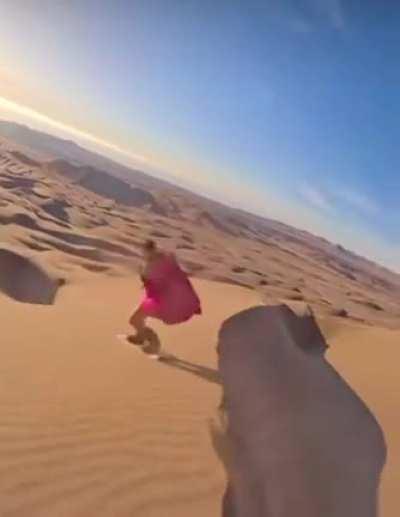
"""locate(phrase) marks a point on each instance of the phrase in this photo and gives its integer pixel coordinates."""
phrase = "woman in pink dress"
(169, 294)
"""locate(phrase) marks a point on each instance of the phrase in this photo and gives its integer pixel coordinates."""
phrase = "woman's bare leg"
(138, 322)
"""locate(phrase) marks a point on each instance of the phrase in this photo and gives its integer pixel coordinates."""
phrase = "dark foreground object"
(301, 442)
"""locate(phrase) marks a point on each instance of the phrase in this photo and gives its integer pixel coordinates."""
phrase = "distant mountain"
(102, 184)
(48, 147)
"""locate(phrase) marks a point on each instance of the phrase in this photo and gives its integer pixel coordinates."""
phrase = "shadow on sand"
(152, 347)
(205, 373)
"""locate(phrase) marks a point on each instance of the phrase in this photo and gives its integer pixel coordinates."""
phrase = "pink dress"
(170, 295)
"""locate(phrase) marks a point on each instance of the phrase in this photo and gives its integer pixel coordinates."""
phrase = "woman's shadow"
(204, 372)
(152, 347)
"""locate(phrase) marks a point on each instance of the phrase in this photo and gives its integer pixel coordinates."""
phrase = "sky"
(287, 108)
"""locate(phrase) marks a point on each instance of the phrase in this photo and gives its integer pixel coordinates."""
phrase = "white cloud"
(334, 12)
(315, 197)
(300, 25)
(359, 201)
(335, 199)
(320, 211)
(304, 19)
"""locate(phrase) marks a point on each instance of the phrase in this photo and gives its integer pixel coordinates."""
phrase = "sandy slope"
(369, 360)
(91, 427)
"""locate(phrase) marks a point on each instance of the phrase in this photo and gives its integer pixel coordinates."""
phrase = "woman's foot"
(142, 337)
(136, 339)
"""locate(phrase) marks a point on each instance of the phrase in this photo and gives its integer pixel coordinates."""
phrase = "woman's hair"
(149, 245)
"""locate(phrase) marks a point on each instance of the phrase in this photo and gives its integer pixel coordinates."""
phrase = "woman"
(169, 295)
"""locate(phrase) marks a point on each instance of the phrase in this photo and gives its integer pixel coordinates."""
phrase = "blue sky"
(288, 108)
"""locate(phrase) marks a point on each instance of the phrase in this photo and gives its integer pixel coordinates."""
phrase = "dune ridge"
(72, 212)
(24, 281)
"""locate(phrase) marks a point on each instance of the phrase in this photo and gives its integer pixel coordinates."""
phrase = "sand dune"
(23, 280)
(90, 426)
(57, 209)
(368, 359)
(214, 242)
(93, 427)
(101, 183)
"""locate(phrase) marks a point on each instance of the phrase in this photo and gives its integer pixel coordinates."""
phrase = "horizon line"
(92, 140)
(31, 113)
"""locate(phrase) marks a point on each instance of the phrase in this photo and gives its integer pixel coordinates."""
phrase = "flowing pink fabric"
(170, 295)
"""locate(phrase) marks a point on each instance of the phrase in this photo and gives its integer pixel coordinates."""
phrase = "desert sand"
(91, 426)
(367, 359)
